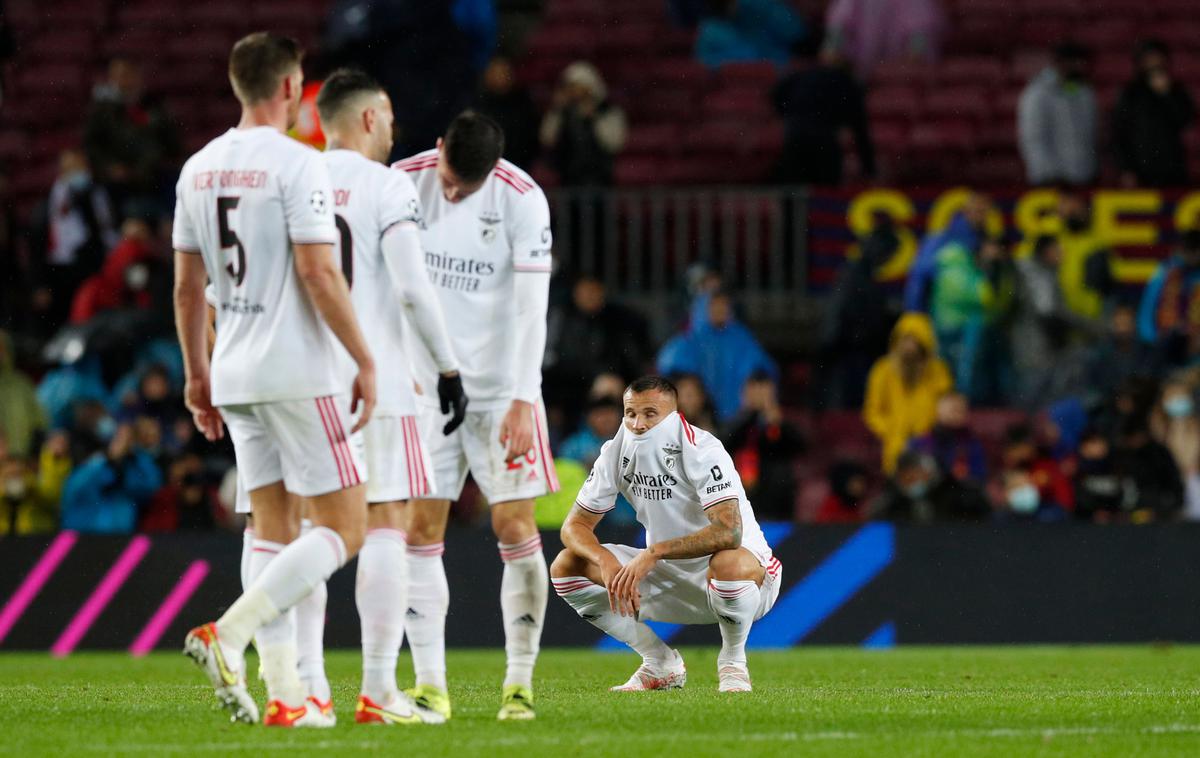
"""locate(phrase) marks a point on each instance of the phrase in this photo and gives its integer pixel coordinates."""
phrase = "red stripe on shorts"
(345, 444)
(332, 445)
(544, 452)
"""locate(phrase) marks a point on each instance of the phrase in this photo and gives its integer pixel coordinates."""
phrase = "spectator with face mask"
(918, 493)
(1149, 120)
(124, 280)
(1024, 500)
(1057, 121)
(1025, 458)
(1175, 423)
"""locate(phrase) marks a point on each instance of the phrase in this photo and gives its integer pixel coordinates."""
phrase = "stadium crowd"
(1102, 381)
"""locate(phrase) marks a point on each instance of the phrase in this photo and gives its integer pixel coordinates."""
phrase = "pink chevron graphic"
(170, 608)
(100, 597)
(33, 583)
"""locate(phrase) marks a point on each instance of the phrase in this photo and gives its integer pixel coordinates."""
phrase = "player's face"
(385, 123)
(454, 188)
(644, 410)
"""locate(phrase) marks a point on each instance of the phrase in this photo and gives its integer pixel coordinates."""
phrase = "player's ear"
(368, 120)
(439, 144)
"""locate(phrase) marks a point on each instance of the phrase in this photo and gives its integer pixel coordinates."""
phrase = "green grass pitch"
(968, 701)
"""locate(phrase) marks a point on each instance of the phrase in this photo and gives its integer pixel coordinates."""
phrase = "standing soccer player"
(706, 559)
(254, 215)
(487, 251)
(378, 216)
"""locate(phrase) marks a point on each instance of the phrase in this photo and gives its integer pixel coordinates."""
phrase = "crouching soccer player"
(706, 559)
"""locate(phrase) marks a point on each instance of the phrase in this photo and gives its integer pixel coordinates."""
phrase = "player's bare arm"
(579, 536)
(191, 325)
(724, 532)
(326, 286)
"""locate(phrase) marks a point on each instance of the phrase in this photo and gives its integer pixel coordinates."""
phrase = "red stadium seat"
(655, 139)
(957, 103)
(895, 103)
(748, 75)
(971, 71)
(638, 170)
(748, 103)
(72, 45)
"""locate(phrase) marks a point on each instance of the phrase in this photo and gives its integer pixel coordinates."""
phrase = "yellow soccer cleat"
(516, 704)
(431, 699)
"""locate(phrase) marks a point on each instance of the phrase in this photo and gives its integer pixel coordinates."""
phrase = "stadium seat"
(761, 76)
(962, 103)
(895, 103)
(654, 139)
(747, 103)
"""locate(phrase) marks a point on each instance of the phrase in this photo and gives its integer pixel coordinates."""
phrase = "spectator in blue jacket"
(1170, 312)
(103, 494)
(720, 350)
(740, 31)
(967, 228)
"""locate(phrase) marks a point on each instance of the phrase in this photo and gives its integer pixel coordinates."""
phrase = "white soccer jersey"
(369, 199)
(473, 249)
(671, 475)
(241, 202)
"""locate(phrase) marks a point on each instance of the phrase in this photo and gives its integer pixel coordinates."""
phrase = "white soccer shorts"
(676, 591)
(475, 446)
(304, 443)
(399, 464)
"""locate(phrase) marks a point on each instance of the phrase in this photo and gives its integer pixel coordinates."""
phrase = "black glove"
(451, 396)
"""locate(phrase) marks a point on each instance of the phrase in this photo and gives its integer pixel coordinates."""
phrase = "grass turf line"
(967, 701)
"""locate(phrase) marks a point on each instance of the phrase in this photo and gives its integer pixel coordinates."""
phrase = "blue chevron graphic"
(882, 638)
(826, 588)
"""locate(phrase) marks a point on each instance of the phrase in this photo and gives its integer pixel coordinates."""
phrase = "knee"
(565, 564)
(513, 522)
(734, 566)
(424, 526)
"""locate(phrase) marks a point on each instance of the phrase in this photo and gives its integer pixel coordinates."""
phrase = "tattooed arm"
(724, 532)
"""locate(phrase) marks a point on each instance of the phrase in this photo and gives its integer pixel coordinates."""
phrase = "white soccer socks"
(247, 552)
(425, 617)
(523, 593)
(735, 604)
(310, 636)
(286, 579)
(381, 591)
(590, 601)
(275, 640)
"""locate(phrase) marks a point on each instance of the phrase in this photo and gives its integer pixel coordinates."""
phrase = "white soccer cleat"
(734, 678)
(651, 676)
(203, 647)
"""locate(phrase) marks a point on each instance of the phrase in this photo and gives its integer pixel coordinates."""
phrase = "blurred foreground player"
(253, 216)
(487, 252)
(706, 559)
(378, 216)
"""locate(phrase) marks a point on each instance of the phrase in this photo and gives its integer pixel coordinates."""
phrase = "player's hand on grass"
(453, 399)
(363, 395)
(516, 430)
(625, 584)
(197, 396)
